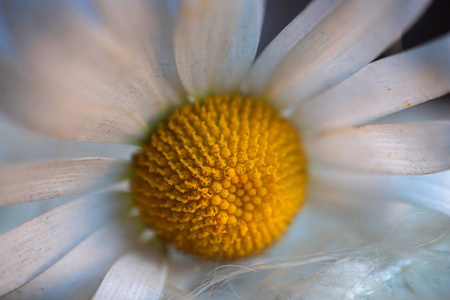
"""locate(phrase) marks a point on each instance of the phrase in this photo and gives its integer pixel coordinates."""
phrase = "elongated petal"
(203, 37)
(286, 40)
(431, 191)
(40, 181)
(74, 79)
(415, 148)
(28, 250)
(349, 38)
(16, 143)
(78, 274)
(59, 114)
(137, 275)
(146, 28)
(383, 87)
(243, 49)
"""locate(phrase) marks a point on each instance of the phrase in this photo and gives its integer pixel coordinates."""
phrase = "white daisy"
(224, 149)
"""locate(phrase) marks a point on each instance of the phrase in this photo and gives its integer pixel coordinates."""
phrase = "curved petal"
(75, 80)
(39, 181)
(136, 275)
(350, 37)
(28, 250)
(203, 37)
(431, 191)
(243, 48)
(414, 148)
(383, 87)
(286, 40)
(78, 274)
(146, 28)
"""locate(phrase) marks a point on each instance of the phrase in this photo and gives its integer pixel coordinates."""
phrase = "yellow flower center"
(221, 178)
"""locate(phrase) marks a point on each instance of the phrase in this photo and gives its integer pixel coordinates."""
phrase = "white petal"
(415, 148)
(286, 40)
(385, 86)
(146, 27)
(39, 181)
(430, 191)
(16, 144)
(350, 37)
(203, 36)
(243, 49)
(28, 250)
(78, 274)
(63, 115)
(137, 275)
(75, 80)
(438, 109)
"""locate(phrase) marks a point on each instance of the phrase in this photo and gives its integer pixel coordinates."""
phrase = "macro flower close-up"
(153, 149)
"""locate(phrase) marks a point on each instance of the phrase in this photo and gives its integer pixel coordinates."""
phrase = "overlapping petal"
(272, 55)
(381, 88)
(79, 273)
(28, 250)
(74, 79)
(414, 148)
(146, 28)
(350, 37)
(430, 191)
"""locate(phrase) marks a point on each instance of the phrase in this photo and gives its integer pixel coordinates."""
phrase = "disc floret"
(220, 178)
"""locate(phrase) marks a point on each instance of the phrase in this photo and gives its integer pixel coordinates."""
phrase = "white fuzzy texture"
(386, 251)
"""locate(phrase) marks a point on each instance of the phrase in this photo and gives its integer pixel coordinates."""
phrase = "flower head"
(225, 149)
(222, 179)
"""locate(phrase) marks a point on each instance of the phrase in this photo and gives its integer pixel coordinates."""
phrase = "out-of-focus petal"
(203, 36)
(73, 79)
(385, 86)
(79, 273)
(411, 148)
(39, 181)
(430, 191)
(28, 250)
(243, 49)
(286, 40)
(53, 111)
(136, 275)
(350, 37)
(146, 28)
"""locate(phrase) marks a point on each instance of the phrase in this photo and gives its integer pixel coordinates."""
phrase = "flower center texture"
(220, 178)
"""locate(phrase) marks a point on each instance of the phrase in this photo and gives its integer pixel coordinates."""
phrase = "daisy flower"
(219, 151)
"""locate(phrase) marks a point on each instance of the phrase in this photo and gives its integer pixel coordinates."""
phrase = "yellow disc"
(221, 178)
